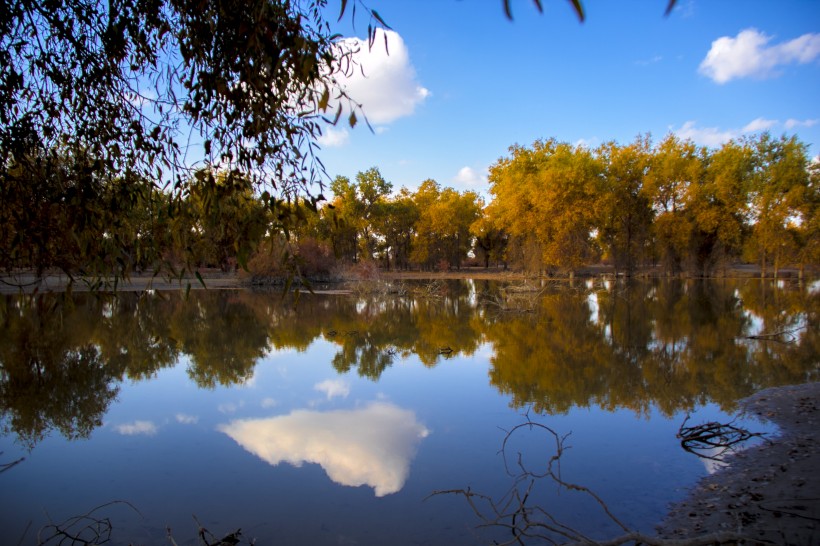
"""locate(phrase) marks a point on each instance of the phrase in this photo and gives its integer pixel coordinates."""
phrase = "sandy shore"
(770, 493)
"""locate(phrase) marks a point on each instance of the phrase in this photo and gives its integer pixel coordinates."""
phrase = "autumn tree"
(544, 197)
(226, 221)
(780, 187)
(490, 240)
(675, 170)
(718, 206)
(442, 237)
(624, 210)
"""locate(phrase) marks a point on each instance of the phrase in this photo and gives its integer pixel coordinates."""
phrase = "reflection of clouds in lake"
(230, 407)
(187, 419)
(370, 446)
(137, 427)
(333, 388)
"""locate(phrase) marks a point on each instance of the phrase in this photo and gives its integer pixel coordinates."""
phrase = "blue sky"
(462, 83)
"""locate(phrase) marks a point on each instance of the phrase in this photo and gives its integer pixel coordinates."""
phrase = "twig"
(85, 529)
(526, 523)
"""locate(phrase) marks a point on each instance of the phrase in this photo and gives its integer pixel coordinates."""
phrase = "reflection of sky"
(137, 427)
(370, 446)
(333, 388)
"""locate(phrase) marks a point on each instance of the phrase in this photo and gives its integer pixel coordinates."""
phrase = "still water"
(333, 419)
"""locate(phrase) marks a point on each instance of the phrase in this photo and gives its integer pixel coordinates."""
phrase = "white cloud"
(749, 55)
(758, 125)
(269, 403)
(334, 138)
(707, 136)
(715, 136)
(469, 177)
(588, 143)
(230, 407)
(371, 446)
(384, 80)
(137, 427)
(187, 419)
(333, 388)
(792, 123)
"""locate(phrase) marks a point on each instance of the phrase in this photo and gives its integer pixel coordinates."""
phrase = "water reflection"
(673, 345)
(370, 446)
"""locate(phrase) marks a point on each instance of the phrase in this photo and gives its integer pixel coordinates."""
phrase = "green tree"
(396, 225)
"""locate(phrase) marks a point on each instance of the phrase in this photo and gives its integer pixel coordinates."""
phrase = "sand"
(769, 493)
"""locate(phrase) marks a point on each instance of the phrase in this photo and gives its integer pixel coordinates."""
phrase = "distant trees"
(674, 206)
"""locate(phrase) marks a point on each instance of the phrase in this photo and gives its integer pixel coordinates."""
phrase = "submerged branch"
(528, 523)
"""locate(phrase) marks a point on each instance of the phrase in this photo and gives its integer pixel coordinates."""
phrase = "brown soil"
(768, 494)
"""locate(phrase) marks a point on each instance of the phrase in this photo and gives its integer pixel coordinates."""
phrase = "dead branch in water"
(527, 523)
(713, 440)
(84, 530)
(782, 336)
(6, 466)
(207, 538)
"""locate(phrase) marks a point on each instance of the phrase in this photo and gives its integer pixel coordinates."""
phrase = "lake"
(333, 419)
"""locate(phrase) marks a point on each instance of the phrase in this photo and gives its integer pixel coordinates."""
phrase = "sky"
(460, 83)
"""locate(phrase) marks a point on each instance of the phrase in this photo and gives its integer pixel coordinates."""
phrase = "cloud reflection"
(137, 427)
(370, 446)
(333, 388)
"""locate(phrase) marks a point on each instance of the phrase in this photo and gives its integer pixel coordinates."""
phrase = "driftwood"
(531, 524)
(713, 440)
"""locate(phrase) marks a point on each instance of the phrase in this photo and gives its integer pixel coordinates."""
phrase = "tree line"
(671, 207)
(674, 206)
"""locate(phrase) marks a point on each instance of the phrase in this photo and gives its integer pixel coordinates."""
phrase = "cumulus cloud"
(469, 177)
(333, 388)
(370, 446)
(749, 55)
(384, 80)
(137, 427)
(187, 419)
(333, 138)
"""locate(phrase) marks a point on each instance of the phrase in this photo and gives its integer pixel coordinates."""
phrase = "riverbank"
(216, 279)
(769, 493)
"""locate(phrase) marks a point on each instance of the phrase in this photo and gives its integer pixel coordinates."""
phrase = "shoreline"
(769, 493)
(27, 283)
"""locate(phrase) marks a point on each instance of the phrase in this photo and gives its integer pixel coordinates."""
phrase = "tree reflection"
(52, 376)
(666, 344)
(670, 344)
